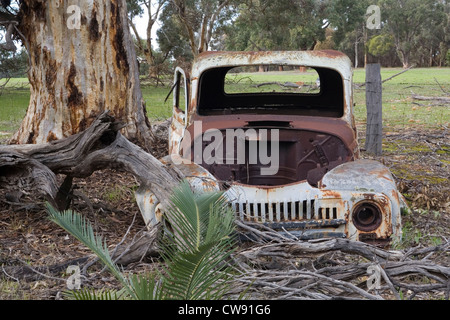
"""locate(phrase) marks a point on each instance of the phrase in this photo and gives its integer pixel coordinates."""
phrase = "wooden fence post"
(374, 128)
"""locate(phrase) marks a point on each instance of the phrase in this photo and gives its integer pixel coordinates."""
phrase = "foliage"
(199, 246)
(195, 252)
(277, 25)
(197, 23)
(171, 36)
(347, 16)
(380, 45)
(407, 19)
(134, 8)
(13, 64)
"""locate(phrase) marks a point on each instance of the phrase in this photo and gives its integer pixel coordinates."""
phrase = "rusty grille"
(285, 211)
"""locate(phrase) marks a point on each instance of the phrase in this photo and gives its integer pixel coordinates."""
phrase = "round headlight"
(367, 216)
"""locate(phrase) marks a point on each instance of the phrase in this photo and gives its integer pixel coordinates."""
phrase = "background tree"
(13, 64)
(171, 37)
(8, 25)
(406, 20)
(348, 18)
(434, 40)
(137, 8)
(199, 20)
(277, 25)
(82, 62)
(380, 45)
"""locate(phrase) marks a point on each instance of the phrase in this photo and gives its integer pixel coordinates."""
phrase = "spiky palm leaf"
(202, 227)
(80, 228)
(147, 287)
(90, 294)
(195, 255)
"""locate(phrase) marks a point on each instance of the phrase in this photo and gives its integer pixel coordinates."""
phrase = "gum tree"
(152, 9)
(199, 20)
(277, 25)
(406, 20)
(82, 62)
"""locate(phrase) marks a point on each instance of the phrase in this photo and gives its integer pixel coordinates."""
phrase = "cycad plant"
(195, 251)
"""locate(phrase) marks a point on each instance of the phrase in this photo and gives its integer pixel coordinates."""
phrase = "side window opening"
(181, 89)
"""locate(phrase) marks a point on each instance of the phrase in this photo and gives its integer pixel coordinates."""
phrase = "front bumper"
(304, 211)
(307, 212)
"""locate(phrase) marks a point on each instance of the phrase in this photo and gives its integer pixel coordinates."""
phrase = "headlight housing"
(367, 216)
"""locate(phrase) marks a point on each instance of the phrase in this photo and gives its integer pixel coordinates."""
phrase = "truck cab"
(285, 153)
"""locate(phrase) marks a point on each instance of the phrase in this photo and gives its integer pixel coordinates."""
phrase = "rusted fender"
(359, 175)
(370, 177)
(199, 179)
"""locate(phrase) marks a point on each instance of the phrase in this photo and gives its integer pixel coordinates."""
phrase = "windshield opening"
(286, 90)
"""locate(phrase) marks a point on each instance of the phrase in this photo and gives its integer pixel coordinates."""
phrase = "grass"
(398, 107)
(154, 97)
(14, 99)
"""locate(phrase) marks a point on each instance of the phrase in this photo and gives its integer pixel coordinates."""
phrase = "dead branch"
(447, 93)
(25, 272)
(283, 85)
(336, 269)
(423, 98)
(101, 146)
(387, 79)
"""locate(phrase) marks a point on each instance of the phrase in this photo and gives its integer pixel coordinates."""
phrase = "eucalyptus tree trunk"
(82, 62)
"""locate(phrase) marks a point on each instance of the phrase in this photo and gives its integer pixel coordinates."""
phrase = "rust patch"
(328, 53)
(331, 194)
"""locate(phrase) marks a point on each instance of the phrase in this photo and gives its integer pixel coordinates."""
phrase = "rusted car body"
(320, 188)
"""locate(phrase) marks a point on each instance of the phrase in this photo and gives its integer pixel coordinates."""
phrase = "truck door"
(180, 109)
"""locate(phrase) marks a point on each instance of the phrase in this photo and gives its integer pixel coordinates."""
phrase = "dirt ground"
(418, 158)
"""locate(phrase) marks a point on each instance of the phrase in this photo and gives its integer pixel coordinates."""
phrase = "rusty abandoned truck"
(287, 158)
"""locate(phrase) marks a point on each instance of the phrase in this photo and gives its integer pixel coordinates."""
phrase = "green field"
(399, 108)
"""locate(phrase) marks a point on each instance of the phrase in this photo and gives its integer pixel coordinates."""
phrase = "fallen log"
(423, 98)
(101, 146)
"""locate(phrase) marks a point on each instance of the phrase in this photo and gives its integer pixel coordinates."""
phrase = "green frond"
(195, 254)
(91, 294)
(81, 229)
(146, 287)
(194, 275)
(204, 224)
(196, 218)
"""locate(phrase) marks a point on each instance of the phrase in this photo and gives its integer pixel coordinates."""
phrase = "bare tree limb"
(101, 146)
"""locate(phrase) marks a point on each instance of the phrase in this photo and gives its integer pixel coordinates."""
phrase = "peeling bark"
(78, 73)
